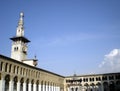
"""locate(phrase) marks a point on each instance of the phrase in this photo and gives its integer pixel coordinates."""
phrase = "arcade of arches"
(99, 82)
(17, 76)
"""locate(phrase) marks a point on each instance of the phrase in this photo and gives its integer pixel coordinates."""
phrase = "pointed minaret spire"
(21, 19)
(20, 28)
(19, 45)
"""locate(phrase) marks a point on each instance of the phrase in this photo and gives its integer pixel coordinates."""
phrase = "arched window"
(76, 89)
(6, 67)
(72, 89)
(14, 48)
(15, 83)
(7, 79)
(17, 48)
(1, 66)
(21, 84)
(37, 85)
(27, 82)
(41, 85)
(32, 82)
(23, 71)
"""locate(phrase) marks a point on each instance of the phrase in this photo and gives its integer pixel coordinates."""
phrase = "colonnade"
(17, 76)
(85, 88)
(100, 86)
(8, 83)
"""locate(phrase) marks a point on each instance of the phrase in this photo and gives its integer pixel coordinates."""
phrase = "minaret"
(19, 42)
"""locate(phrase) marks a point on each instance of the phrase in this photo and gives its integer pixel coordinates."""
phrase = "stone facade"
(94, 82)
(17, 76)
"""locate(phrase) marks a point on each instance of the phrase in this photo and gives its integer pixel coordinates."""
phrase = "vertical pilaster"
(8, 67)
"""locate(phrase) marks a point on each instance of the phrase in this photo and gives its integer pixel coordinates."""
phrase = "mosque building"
(18, 73)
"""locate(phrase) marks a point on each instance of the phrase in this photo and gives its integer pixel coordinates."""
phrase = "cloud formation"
(111, 62)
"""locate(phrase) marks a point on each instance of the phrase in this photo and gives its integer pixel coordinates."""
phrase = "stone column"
(68, 88)
(46, 87)
(29, 86)
(57, 88)
(49, 88)
(102, 87)
(39, 87)
(43, 87)
(83, 88)
(34, 87)
(24, 86)
(89, 88)
(18, 85)
(11, 85)
(2, 84)
(52, 87)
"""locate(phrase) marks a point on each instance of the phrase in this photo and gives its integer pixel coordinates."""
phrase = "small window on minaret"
(15, 49)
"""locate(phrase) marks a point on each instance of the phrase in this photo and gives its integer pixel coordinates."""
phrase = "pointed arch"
(15, 79)
(7, 80)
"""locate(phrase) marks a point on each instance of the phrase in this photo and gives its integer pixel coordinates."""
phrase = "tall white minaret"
(19, 42)
(20, 28)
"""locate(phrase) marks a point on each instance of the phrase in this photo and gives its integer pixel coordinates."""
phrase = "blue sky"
(68, 36)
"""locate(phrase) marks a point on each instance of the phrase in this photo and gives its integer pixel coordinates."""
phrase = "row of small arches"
(18, 70)
(22, 80)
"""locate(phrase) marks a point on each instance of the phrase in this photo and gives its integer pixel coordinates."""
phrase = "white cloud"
(111, 62)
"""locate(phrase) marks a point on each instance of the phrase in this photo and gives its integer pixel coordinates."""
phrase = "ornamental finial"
(21, 15)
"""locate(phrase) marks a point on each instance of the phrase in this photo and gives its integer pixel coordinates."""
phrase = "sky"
(67, 36)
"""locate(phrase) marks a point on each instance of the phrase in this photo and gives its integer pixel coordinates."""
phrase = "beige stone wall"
(93, 82)
(26, 72)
